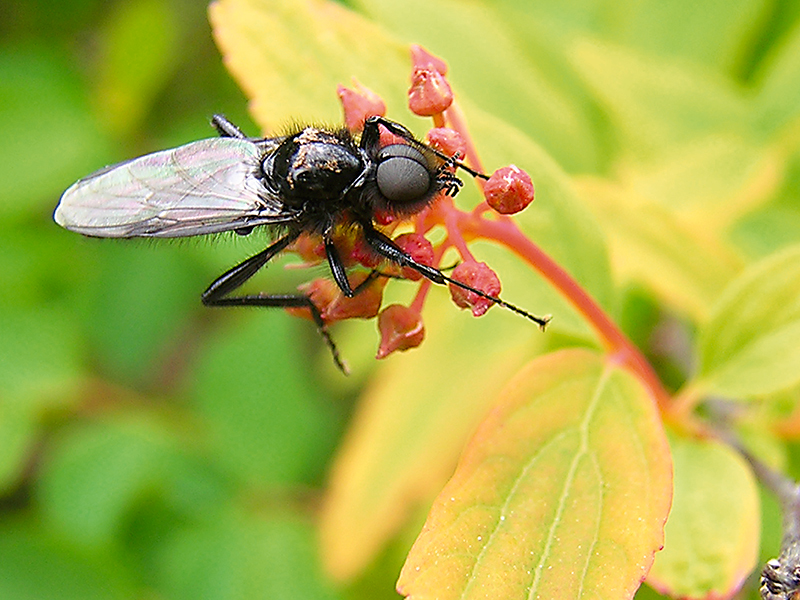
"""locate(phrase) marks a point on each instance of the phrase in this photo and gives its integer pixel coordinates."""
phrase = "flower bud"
(509, 190)
(479, 276)
(401, 328)
(334, 306)
(430, 94)
(420, 249)
(358, 104)
(422, 58)
(446, 141)
(322, 293)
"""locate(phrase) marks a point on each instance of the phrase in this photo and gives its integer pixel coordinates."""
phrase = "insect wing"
(206, 186)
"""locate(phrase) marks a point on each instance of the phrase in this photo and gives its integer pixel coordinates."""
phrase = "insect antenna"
(388, 249)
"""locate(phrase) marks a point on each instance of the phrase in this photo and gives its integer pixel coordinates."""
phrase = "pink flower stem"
(419, 299)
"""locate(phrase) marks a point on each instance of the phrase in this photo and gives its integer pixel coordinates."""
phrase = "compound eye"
(403, 173)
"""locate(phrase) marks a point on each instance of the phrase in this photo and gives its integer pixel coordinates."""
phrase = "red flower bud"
(401, 328)
(509, 190)
(358, 104)
(446, 140)
(422, 58)
(430, 94)
(420, 249)
(322, 292)
(335, 306)
(479, 276)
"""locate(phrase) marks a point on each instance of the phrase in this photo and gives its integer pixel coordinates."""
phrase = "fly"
(314, 181)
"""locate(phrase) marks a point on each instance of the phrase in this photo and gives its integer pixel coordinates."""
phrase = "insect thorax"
(315, 166)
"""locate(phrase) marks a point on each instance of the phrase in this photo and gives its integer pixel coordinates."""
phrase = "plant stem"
(506, 232)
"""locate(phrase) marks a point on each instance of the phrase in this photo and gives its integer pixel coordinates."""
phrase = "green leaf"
(149, 31)
(678, 262)
(135, 300)
(40, 367)
(749, 345)
(49, 137)
(40, 355)
(35, 566)
(94, 474)
(245, 555)
(768, 230)
(517, 74)
(656, 103)
(707, 557)
(776, 102)
(711, 181)
(17, 438)
(412, 423)
(562, 492)
(267, 422)
(714, 33)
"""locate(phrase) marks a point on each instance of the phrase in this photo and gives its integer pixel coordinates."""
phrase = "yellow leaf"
(289, 56)
(411, 425)
(687, 266)
(562, 492)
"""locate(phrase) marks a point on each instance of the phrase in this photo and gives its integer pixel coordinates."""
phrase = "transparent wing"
(203, 187)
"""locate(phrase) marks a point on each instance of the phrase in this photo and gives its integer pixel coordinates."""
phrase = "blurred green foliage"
(145, 442)
(153, 448)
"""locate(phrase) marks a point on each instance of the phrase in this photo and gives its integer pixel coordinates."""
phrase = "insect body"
(313, 181)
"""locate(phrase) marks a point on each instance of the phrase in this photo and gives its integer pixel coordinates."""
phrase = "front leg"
(388, 249)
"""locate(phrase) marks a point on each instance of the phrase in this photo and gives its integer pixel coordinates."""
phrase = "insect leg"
(225, 128)
(387, 248)
(217, 292)
(235, 277)
(337, 269)
(288, 301)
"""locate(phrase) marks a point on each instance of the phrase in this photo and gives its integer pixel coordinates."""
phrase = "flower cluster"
(507, 191)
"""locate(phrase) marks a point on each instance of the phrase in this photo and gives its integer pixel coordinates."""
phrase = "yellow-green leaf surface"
(750, 344)
(127, 87)
(411, 425)
(289, 56)
(502, 70)
(711, 538)
(776, 102)
(562, 492)
(710, 181)
(652, 245)
(656, 103)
